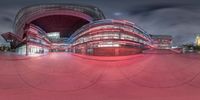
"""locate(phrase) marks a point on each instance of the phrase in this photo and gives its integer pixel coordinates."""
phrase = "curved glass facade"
(31, 13)
(80, 29)
(120, 36)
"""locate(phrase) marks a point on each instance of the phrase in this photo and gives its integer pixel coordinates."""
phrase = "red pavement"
(63, 76)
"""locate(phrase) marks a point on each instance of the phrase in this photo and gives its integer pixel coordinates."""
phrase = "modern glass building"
(109, 38)
(40, 28)
(81, 29)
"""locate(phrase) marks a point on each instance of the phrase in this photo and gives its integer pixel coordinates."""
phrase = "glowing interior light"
(108, 45)
(54, 34)
(197, 42)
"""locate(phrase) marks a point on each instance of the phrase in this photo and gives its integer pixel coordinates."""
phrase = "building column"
(26, 49)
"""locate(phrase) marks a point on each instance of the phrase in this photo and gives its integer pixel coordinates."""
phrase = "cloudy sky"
(179, 18)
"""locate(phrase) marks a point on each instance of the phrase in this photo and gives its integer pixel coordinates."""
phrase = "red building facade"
(81, 29)
(33, 24)
(110, 38)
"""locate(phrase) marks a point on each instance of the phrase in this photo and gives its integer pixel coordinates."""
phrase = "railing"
(106, 24)
(110, 36)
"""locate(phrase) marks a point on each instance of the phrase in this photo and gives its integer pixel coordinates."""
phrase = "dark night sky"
(179, 18)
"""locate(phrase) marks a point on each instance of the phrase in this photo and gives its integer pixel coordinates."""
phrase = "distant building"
(162, 41)
(197, 41)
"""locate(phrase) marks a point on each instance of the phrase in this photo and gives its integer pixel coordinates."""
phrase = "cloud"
(6, 19)
(149, 9)
(180, 21)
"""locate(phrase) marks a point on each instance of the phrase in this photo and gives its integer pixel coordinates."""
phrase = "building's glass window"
(32, 49)
(108, 44)
(21, 50)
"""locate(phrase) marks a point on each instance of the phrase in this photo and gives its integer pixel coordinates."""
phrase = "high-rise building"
(197, 41)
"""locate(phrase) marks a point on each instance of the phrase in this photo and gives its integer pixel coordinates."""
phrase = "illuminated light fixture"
(60, 44)
(54, 35)
(197, 42)
(108, 45)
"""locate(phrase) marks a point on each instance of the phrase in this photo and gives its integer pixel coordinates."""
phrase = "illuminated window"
(108, 44)
(53, 35)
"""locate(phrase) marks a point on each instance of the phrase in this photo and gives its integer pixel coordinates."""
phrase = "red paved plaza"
(63, 76)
